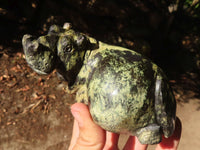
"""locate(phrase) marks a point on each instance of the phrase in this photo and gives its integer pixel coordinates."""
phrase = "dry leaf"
(53, 96)
(26, 88)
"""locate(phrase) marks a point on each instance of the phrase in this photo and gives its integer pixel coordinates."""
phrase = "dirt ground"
(35, 110)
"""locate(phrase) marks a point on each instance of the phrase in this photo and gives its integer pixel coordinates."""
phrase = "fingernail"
(77, 117)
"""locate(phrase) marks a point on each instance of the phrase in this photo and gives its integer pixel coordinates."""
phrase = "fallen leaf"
(8, 123)
(53, 96)
(26, 88)
(11, 84)
(16, 68)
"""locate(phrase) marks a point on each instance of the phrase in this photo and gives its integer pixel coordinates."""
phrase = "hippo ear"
(67, 26)
(81, 41)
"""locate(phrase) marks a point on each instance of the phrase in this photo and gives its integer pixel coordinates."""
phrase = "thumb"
(91, 136)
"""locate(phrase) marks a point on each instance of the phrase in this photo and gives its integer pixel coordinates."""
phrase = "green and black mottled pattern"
(125, 91)
(124, 82)
(40, 54)
(121, 88)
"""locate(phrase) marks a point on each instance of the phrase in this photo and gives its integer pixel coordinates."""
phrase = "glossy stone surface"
(126, 92)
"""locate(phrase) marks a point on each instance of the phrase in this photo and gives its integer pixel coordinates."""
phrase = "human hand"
(89, 136)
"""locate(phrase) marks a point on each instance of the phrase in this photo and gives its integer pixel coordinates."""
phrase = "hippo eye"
(67, 49)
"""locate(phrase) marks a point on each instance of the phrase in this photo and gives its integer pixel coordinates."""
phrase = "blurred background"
(35, 110)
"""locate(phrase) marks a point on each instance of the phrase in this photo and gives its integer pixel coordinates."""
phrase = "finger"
(111, 141)
(91, 136)
(75, 135)
(172, 142)
(134, 144)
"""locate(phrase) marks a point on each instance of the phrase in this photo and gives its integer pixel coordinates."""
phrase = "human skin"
(89, 136)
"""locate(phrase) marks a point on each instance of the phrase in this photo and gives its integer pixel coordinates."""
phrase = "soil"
(34, 109)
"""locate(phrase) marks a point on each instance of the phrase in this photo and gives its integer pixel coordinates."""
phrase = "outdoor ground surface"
(35, 110)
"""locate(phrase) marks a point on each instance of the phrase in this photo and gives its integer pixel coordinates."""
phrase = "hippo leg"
(150, 134)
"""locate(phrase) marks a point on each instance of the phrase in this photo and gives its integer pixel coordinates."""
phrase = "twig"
(31, 107)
